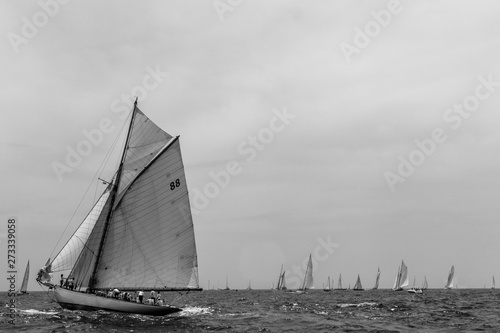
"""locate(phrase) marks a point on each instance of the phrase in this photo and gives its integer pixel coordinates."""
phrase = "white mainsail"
(140, 233)
(329, 285)
(357, 285)
(308, 277)
(424, 286)
(339, 284)
(377, 279)
(24, 285)
(449, 283)
(401, 277)
(493, 283)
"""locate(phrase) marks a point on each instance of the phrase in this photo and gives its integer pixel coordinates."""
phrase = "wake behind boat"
(139, 235)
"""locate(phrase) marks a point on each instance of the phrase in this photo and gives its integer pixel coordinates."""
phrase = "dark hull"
(73, 300)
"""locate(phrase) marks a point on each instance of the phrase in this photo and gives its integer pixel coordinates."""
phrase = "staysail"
(449, 283)
(140, 233)
(308, 277)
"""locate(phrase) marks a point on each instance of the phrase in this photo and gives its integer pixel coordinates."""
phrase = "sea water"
(456, 310)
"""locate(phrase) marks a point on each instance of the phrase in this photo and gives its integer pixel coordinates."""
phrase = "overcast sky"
(365, 132)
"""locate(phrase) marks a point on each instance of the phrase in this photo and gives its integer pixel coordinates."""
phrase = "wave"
(195, 310)
(349, 305)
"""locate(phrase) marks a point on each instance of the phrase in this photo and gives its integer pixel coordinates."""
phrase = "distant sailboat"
(249, 285)
(227, 285)
(358, 285)
(281, 280)
(401, 277)
(339, 284)
(449, 283)
(493, 283)
(424, 286)
(329, 286)
(24, 286)
(308, 277)
(378, 277)
(415, 289)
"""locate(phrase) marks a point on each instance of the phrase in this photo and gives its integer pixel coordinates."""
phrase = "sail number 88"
(175, 184)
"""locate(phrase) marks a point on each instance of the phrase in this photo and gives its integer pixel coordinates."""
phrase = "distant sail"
(24, 285)
(308, 277)
(329, 286)
(449, 283)
(377, 280)
(281, 280)
(493, 283)
(358, 285)
(424, 286)
(401, 278)
(339, 284)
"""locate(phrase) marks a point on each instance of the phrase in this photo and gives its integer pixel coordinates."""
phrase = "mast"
(113, 197)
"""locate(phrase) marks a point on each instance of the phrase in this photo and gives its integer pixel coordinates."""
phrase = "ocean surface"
(457, 310)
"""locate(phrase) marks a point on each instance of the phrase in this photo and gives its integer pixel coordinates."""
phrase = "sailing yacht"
(339, 284)
(358, 286)
(424, 286)
(377, 279)
(281, 280)
(329, 286)
(308, 282)
(451, 274)
(414, 289)
(401, 277)
(24, 286)
(139, 235)
(493, 283)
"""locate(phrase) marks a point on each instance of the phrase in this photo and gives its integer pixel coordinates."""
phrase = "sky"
(365, 132)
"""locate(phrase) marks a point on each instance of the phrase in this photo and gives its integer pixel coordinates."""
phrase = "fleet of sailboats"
(139, 235)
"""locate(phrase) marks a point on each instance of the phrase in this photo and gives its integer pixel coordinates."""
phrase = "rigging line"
(87, 190)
